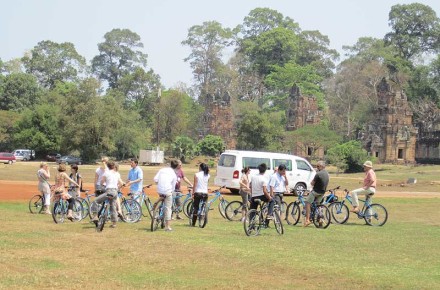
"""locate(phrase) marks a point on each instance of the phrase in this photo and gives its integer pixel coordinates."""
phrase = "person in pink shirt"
(369, 187)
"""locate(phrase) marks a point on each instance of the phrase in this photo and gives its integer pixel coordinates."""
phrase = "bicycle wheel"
(321, 217)
(277, 222)
(77, 211)
(252, 223)
(222, 207)
(339, 212)
(293, 213)
(283, 210)
(149, 206)
(376, 215)
(156, 220)
(189, 208)
(93, 209)
(203, 216)
(234, 210)
(59, 212)
(131, 211)
(85, 207)
(36, 204)
(102, 218)
(185, 208)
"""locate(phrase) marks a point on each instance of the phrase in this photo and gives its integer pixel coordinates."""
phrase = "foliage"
(348, 157)
(52, 62)
(183, 148)
(7, 122)
(211, 145)
(119, 55)
(18, 92)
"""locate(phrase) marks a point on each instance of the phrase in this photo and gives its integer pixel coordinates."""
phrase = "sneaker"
(168, 229)
(269, 217)
(113, 226)
(243, 219)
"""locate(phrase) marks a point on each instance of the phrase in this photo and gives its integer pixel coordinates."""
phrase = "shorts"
(314, 196)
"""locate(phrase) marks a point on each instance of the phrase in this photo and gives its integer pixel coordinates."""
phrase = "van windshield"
(253, 162)
(226, 160)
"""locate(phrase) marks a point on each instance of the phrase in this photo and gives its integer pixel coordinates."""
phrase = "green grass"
(37, 253)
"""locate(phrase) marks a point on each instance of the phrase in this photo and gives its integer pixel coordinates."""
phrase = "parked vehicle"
(7, 158)
(24, 154)
(299, 171)
(69, 160)
(53, 157)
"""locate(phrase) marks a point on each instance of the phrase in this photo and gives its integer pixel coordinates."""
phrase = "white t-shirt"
(257, 183)
(100, 172)
(166, 180)
(202, 182)
(111, 178)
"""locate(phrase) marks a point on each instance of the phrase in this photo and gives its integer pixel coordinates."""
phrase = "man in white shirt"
(259, 189)
(166, 180)
(278, 185)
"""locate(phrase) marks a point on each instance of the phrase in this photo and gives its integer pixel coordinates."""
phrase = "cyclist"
(278, 184)
(135, 177)
(60, 192)
(319, 183)
(112, 180)
(200, 192)
(177, 191)
(43, 186)
(369, 188)
(74, 175)
(245, 190)
(166, 182)
(259, 190)
(99, 189)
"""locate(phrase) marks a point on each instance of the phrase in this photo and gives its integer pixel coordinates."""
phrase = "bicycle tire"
(77, 211)
(339, 212)
(149, 207)
(376, 215)
(252, 223)
(185, 209)
(278, 224)
(283, 210)
(189, 208)
(93, 209)
(156, 219)
(222, 207)
(203, 216)
(293, 214)
(131, 211)
(234, 210)
(321, 217)
(58, 213)
(85, 205)
(102, 218)
(36, 204)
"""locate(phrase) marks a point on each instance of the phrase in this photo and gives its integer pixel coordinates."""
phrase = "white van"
(24, 154)
(299, 171)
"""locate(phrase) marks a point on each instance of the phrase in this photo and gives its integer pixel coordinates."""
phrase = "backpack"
(81, 184)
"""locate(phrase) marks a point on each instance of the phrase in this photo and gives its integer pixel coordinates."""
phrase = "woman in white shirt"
(201, 180)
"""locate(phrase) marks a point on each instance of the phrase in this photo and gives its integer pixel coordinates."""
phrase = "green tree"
(183, 148)
(211, 145)
(52, 62)
(348, 156)
(7, 122)
(119, 55)
(18, 92)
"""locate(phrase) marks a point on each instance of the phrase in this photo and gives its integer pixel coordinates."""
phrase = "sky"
(163, 25)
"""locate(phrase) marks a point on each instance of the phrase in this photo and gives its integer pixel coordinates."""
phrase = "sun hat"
(368, 164)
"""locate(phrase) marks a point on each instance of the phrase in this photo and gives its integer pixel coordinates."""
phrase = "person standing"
(60, 179)
(166, 180)
(135, 177)
(245, 190)
(278, 184)
(201, 180)
(177, 191)
(75, 176)
(369, 187)
(100, 189)
(259, 189)
(319, 183)
(43, 186)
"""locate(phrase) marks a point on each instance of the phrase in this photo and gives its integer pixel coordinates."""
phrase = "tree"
(415, 29)
(119, 55)
(207, 42)
(348, 156)
(52, 62)
(211, 145)
(183, 148)
(7, 122)
(18, 92)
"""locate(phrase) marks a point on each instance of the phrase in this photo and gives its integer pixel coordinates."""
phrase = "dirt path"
(24, 190)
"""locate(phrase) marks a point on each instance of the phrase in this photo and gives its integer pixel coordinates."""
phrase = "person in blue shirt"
(135, 177)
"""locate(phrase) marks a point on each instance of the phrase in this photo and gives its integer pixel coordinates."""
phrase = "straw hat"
(368, 164)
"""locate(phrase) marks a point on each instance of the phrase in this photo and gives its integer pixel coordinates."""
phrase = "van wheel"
(234, 190)
(10, 162)
(299, 187)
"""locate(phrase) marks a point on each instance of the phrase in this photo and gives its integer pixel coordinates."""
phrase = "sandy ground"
(22, 190)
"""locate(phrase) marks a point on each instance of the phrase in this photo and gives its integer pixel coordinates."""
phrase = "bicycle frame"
(349, 198)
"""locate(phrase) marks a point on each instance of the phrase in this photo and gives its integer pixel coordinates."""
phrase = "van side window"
(301, 165)
(287, 162)
(226, 160)
(253, 162)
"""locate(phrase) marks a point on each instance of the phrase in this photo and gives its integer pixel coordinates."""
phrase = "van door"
(304, 172)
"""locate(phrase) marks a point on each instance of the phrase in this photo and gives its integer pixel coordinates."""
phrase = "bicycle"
(36, 203)
(158, 214)
(217, 195)
(130, 208)
(256, 219)
(60, 209)
(183, 205)
(319, 213)
(144, 199)
(103, 213)
(374, 214)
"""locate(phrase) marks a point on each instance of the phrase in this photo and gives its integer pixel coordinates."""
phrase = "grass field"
(403, 254)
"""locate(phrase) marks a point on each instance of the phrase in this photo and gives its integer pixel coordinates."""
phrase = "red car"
(53, 156)
(7, 158)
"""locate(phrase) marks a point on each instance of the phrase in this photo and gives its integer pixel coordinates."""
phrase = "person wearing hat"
(369, 187)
